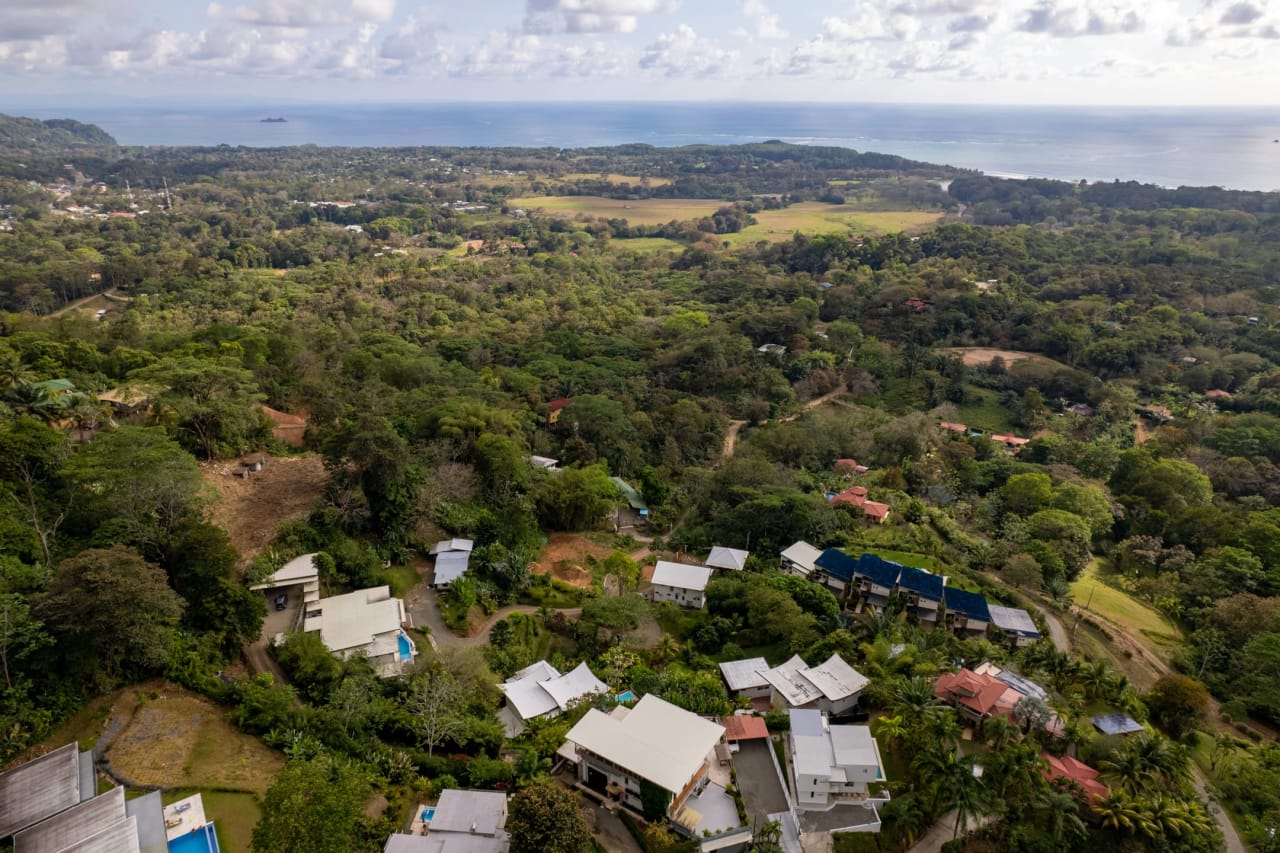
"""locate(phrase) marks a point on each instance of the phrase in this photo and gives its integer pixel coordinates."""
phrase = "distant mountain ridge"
(21, 132)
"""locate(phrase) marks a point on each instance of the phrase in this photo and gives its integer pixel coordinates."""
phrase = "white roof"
(728, 558)
(451, 565)
(573, 685)
(835, 678)
(1013, 619)
(297, 570)
(853, 746)
(681, 576)
(541, 689)
(656, 741)
(352, 621)
(803, 555)
(452, 545)
(800, 684)
(745, 674)
(824, 750)
(787, 680)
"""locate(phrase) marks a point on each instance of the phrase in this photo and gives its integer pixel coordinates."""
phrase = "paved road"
(944, 830)
(1057, 633)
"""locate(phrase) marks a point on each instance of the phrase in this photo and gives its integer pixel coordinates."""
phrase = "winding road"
(424, 610)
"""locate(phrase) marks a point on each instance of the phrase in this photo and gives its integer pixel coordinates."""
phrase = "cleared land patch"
(252, 510)
(565, 556)
(815, 217)
(975, 356)
(171, 738)
(1090, 593)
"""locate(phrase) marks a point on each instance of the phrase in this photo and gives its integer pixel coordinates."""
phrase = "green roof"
(629, 493)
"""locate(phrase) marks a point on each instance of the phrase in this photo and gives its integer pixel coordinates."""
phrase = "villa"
(832, 686)
(541, 691)
(832, 764)
(366, 622)
(460, 822)
(745, 678)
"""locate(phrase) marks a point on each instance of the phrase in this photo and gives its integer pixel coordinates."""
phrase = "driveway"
(758, 780)
(256, 654)
(424, 609)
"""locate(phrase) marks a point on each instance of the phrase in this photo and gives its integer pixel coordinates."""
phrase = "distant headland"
(277, 120)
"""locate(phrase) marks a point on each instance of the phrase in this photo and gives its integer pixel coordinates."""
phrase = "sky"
(1103, 52)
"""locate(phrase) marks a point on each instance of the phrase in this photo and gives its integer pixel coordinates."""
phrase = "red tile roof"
(744, 728)
(1075, 771)
(557, 405)
(875, 509)
(954, 427)
(979, 693)
(855, 495)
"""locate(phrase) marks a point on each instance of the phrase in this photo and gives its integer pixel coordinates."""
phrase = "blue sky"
(1159, 52)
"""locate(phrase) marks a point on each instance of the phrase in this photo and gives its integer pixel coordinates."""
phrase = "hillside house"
(831, 763)
(299, 576)
(921, 593)
(680, 583)
(856, 496)
(1074, 773)
(554, 408)
(452, 558)
(540, 690)
(365, 622)
(632, 511)
(460, 822)
(874, 580)
(800, 559)
(832, 686)
(834, 569)
(967, 613)
(657, 752)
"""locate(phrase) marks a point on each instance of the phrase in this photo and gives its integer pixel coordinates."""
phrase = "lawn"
(234, 815)
(401, 579)
(1092, 593)
(982, 409)
(633, 180)
(649, 211)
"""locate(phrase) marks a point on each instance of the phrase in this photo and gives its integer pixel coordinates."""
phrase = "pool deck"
(179, 821)
(418, 826)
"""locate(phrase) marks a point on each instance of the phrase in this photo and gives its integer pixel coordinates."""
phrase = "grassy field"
(905, 558)
(815, 217)
(649, 211)
(1089, 591)
(631, 180)
(811, 217)
(401, 579)
(234, 815)
(649, 244)
(982, 409)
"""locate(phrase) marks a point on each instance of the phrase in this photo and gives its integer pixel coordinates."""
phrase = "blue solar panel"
(1116, 724)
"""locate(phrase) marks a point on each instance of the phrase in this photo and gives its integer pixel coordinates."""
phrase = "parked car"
(282, 601)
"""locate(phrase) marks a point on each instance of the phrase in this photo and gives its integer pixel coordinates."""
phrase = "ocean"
(1229, 147)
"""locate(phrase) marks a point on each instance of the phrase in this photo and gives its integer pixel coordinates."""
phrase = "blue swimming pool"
(428, 813)
(202, 840)
(406, 647)
(626, 697)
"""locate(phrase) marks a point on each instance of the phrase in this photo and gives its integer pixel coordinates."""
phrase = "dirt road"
(735, 427)
(425, 611)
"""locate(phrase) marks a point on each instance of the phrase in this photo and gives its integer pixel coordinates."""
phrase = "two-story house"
(831, 764)
(680, 583)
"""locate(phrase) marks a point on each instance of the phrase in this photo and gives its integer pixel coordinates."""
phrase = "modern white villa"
(832, 764)
(368, 622)
(541, 690)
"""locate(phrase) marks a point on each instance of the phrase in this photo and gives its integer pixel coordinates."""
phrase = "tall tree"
(545, 818)
(316, 806)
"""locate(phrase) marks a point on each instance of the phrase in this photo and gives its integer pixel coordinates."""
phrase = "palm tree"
(914, 697)
(1120, 812)
(904, 817)
(999, 732)
(1095, 678)
(1127, 771)
(1060, 812)
(891, 729)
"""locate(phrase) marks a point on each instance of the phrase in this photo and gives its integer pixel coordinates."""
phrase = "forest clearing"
(251, 509)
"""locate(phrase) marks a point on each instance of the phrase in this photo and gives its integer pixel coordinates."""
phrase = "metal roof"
(1013, 620)
(928, 585)
(681, 575)
(971, 604)
(787, 679)
(745, 674)
(479, 812)
(878, 570)
(41, 788)
(727, 558)
(629, 493)
(1116, 724)
(837, 564)
(451, 565)
(452, 545)
(803, 555)
(835, 678)
(353, 620)
(72, 826)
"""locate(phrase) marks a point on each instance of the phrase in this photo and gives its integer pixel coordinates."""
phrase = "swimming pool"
(626, 697)
(406, 647)
(428, 813)
(202, 840)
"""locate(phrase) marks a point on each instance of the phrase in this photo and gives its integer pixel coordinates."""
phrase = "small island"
(277, 120)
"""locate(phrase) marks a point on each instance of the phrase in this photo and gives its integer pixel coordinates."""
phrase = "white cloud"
(314, 13)
(1083, 19)
(765, 24)
(414, 44)
(586, 16)
(686, 54)
(33, 20)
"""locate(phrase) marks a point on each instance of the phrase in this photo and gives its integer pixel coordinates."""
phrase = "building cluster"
(51, 804)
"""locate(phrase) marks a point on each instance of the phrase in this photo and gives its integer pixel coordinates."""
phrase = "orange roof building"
(742, 727)
(1077, 772)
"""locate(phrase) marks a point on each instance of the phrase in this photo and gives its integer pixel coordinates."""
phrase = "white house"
(461, 822)
(541, 691)
(745, 678)
(800, 559)
(299, 572)
(679, 583)
(832, 686)
(368, 622)
(832, 764)
(732, 559)
(666, 751)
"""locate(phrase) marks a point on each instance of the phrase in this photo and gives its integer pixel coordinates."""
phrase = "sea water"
(1193, 146)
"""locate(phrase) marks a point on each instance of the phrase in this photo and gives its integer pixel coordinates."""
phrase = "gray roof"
(446, 842)
(800, 684)
(149, 813)
(803, 555)
(41, 788)
(681, 575)
(452, 545)
(119, 837)
(1116, 724)
(473, 812)
(451, 565)
(728, 558)
(73, 825)
(1013, 620)
(745, 674)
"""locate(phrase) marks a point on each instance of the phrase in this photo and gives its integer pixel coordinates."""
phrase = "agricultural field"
(648, 211)
(1090, 592)
(815, 217)
(625, 180)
